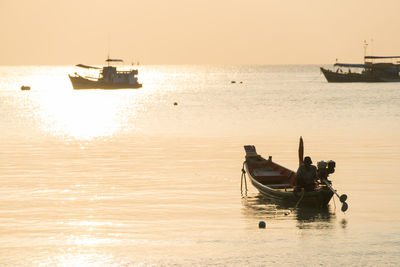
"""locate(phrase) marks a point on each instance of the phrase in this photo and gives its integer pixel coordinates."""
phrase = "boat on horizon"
(370, 71)
(109, 78)
(278, 183)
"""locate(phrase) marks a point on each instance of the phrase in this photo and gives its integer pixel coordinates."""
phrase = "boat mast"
(108, 51)
(365, 50)
(372, 46)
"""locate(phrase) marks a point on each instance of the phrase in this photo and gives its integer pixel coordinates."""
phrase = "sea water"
(128, 178)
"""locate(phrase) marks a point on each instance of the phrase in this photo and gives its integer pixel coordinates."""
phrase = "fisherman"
(307, 175)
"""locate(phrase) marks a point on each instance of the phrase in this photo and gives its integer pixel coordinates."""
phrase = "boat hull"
(338, 77)
(317, 199)
(79, 82)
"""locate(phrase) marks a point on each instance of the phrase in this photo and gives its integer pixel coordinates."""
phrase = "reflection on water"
(343, 223)
(306, 217)
(314, 218)
(82, 115)
(157, 184)
(77, 258)
(260, 207)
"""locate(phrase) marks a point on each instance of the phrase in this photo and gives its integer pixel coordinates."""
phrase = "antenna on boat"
(108, 51)
(365, 50)
(372, 46)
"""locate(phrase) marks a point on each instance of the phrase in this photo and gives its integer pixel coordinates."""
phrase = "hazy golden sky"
(52, 32)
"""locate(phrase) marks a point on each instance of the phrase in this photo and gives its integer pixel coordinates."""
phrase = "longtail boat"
(278, 183)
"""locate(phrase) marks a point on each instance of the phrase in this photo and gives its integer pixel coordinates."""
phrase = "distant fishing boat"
(278, 183)
(109, 78)
(370, 71)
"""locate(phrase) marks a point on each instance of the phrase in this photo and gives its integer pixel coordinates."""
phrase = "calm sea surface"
(127, 178)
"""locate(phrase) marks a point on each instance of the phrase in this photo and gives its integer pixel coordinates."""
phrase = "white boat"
(109, 78)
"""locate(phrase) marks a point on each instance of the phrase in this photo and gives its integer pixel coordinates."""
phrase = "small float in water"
(25, 88)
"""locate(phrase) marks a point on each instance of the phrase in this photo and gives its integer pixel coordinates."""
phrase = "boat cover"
(87, 67)
(349, 65)
(377, 57)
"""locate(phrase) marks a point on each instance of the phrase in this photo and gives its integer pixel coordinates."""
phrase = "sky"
(265, 32)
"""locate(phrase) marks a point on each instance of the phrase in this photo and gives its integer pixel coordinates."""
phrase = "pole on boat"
(301, 151)
(301, 159)
(365, 50)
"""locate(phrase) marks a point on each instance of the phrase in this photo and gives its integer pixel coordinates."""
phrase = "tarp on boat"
(377, 57)
(114, 60)
(349, 65)
(87, 67)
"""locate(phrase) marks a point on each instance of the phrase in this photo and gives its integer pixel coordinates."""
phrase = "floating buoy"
(175, 103)
(261, 224)
(25, 88)
(233, 81)
(241, 82)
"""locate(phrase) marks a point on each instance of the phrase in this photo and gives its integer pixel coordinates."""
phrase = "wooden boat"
(278, 183)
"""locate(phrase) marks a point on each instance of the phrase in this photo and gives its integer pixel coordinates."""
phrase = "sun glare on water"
(83, 115)
(59, 110)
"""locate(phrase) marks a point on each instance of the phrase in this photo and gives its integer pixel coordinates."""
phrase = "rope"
(243, 178)
(301, 198)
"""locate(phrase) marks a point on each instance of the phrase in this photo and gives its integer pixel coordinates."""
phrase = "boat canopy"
(114, 60)
(377, 57)
(349, 65)
(87, 67)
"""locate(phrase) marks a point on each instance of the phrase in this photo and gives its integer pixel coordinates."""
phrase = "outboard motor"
(331, 166)
(324, 169)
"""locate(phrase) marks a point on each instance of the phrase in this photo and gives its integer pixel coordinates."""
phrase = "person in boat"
(306, 175)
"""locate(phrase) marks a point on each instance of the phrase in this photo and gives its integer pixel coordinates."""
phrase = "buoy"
(25, 88)
(175, 103)
(233, 81)
(261, 224)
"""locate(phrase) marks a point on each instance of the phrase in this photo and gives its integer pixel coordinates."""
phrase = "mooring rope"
(243, 178)
(301, 198)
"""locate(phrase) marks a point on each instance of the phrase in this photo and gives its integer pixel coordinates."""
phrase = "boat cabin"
(111, 75)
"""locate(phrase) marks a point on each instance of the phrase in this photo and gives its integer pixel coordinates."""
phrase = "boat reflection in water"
(260, 207)
(314, 218)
